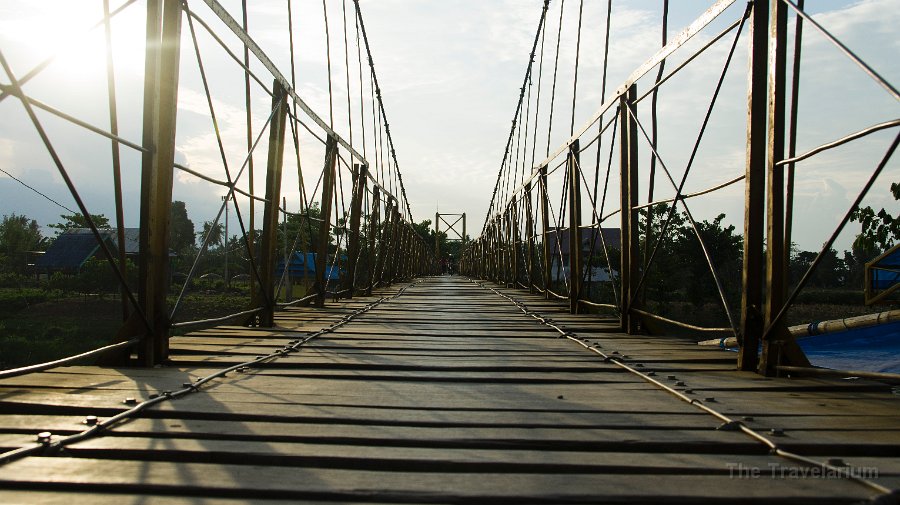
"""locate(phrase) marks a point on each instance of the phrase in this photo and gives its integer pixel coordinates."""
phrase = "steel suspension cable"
(538, 34)
(248, 108)
(116, 163)
(680, 186)
(792, 144)
(328, 58)
(562, 5)
(846, 50)
(827, 246)
(107, 254)
(599, 136)
(362, 108)
(347, 70)
(654, 128)
(387, 127)
(575, 80)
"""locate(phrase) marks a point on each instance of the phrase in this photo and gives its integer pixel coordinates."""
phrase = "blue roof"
(69, 252)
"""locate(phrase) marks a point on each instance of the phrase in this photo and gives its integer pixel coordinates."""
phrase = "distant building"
(559, 251)
(73, 248)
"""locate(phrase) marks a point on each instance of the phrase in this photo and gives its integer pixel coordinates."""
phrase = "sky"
(450, 74)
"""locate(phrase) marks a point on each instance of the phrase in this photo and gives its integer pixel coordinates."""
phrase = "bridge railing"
(550, 226)
(351, 229)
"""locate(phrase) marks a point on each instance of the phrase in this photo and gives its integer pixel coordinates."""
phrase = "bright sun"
(32, 31)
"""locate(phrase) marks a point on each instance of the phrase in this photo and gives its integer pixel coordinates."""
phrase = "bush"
(831, 296)
(15, 300)
(13, 280)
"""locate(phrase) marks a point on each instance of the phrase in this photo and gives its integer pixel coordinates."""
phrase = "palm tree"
(215, 233)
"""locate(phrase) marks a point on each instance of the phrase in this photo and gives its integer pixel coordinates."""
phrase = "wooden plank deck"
(445, 394)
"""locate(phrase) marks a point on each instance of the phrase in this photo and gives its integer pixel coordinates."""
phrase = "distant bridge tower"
(438, 217)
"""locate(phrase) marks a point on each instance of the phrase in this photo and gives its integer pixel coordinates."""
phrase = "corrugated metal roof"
(72, 248)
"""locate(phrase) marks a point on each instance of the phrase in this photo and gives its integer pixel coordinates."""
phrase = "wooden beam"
(629, 246)
(545, 228)
(264, 296)
(328, 177)
(529, 238)
(754, 190)
(161, 66)
(356, 209)
(574, 227)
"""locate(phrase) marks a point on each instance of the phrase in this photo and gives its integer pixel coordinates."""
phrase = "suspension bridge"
(542, 373)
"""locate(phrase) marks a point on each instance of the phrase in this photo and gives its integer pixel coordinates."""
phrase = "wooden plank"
(225, 480)
(447, 393)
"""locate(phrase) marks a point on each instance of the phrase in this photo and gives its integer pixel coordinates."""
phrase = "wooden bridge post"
(437, 232)
(514, 242)
(383, 243)
(325, 225)
(779, 347)
(404, 252)
(394, 251)
(359, 190)
(157, 164)
(575, 277)
(264, 295)
(545, 225)
(373, 232)
(754, 190)
(629, 247)
(501, 248)
(529, 238)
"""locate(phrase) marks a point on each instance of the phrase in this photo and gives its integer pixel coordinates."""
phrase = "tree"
(182, 227)
(725, 250)
(879, 231)
(18, 235)
(832, 271)
(302, 230)
(216, 233)
(71, 221)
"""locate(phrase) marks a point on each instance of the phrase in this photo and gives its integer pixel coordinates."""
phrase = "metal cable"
(818, 259)
(52, 447)
(107, 254)
(728, 423)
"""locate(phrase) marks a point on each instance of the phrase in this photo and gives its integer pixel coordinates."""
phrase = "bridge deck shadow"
(445, 394)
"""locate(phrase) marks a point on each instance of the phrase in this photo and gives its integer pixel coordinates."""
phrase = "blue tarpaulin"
(304, 264)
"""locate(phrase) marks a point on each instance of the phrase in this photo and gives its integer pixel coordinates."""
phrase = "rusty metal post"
(160, 106)
(359, 189)
(374, 217)
(328, 177)
(575, 263)
(629, 247)
(754, 190)
(264, 295)
(545, 225)
(529, 238)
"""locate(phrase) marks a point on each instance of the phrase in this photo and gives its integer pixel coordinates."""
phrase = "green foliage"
(182, 227)
(832, 272)
(216, 234)
(71, 221)
(15, 300)
(18, 235)
(879, 230)
(301, 231)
